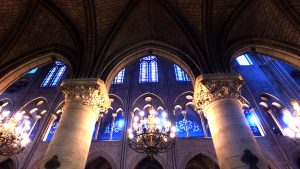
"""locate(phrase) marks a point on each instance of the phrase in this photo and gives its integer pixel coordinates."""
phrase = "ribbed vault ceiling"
(94, 32)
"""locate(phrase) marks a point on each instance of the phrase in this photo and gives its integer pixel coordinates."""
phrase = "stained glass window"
(54, 75)
(148, 69)
(244, 60)
(52, 130)
(112, 128)
(181, 76)
(120, 77)
(188, 125)
(49, 76)
(253, 122)
(32, 71)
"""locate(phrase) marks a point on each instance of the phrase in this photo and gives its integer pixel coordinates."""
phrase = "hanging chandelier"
(13, 132)
(293, 120)
(151, 133)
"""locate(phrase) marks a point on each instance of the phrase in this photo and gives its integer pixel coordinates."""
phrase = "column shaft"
(69, 148)
(218, 97)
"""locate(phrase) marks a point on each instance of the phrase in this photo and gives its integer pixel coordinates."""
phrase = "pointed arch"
(160, 49)
(138, 158)
(275, 49)
(37, 58)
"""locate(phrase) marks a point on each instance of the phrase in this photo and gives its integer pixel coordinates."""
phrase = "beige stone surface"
(72, 139)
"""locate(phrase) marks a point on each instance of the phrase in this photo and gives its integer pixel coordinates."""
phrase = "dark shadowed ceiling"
(91, 34)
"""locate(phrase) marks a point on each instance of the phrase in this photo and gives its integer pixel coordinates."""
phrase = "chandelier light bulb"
(24, 142)
(142, 113)
(129, 130)
(295, 105)
(173, 129)
(164, 114)
(130, 136)
(172, 135)
(6, 126)
(18, 116)
(136, 119)
(152, 112)
(19, 130)
(5, 113)
(27, 128)
(165, 139)
(27, 123)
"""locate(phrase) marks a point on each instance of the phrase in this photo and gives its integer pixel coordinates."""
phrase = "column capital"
(90, 92)
(212, 87)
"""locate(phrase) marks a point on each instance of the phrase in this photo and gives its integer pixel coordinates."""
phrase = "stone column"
(218, 97)
(84, 99)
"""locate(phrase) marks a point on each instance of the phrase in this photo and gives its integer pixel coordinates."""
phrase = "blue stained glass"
(143, 72)
(49, 77)
(59, 63)
(153, 71)
(253, 123)
(180, 74)
(117, 128)
(54, 75)
(148, 69)
(32, 71)
(190, 126)
(58, 76)
(52, 130)
(244, 60)
(120, 77)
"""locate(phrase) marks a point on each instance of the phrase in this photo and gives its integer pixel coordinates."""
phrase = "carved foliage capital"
(90, 93)
(216, 87)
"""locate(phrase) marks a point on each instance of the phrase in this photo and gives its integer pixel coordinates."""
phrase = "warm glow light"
(25, 141)
(27, 123)
(288, 118)
(173, 129)
(295, 105)
(5, 113)
(130, 136)
(136, 119)
(288, 132)
(151, 132)
(18, 116)
(164, 114)
(142, 113)
(152, 111)
(19, 130)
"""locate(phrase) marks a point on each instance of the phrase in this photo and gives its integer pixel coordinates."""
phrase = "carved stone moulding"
(90, 92)
(213, 87)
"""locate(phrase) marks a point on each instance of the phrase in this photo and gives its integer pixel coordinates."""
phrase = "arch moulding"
(281, 51)
(93, 156)
(193, 154)
(18, 71)
(138, 158)
(161, 50)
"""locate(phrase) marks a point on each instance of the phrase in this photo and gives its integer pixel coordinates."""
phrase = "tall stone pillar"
(218, 96)
(84, 99)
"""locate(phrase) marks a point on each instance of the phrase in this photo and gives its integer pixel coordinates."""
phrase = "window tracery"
(54, 75)
(148, 69)
(181, 76)
(120, 77)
